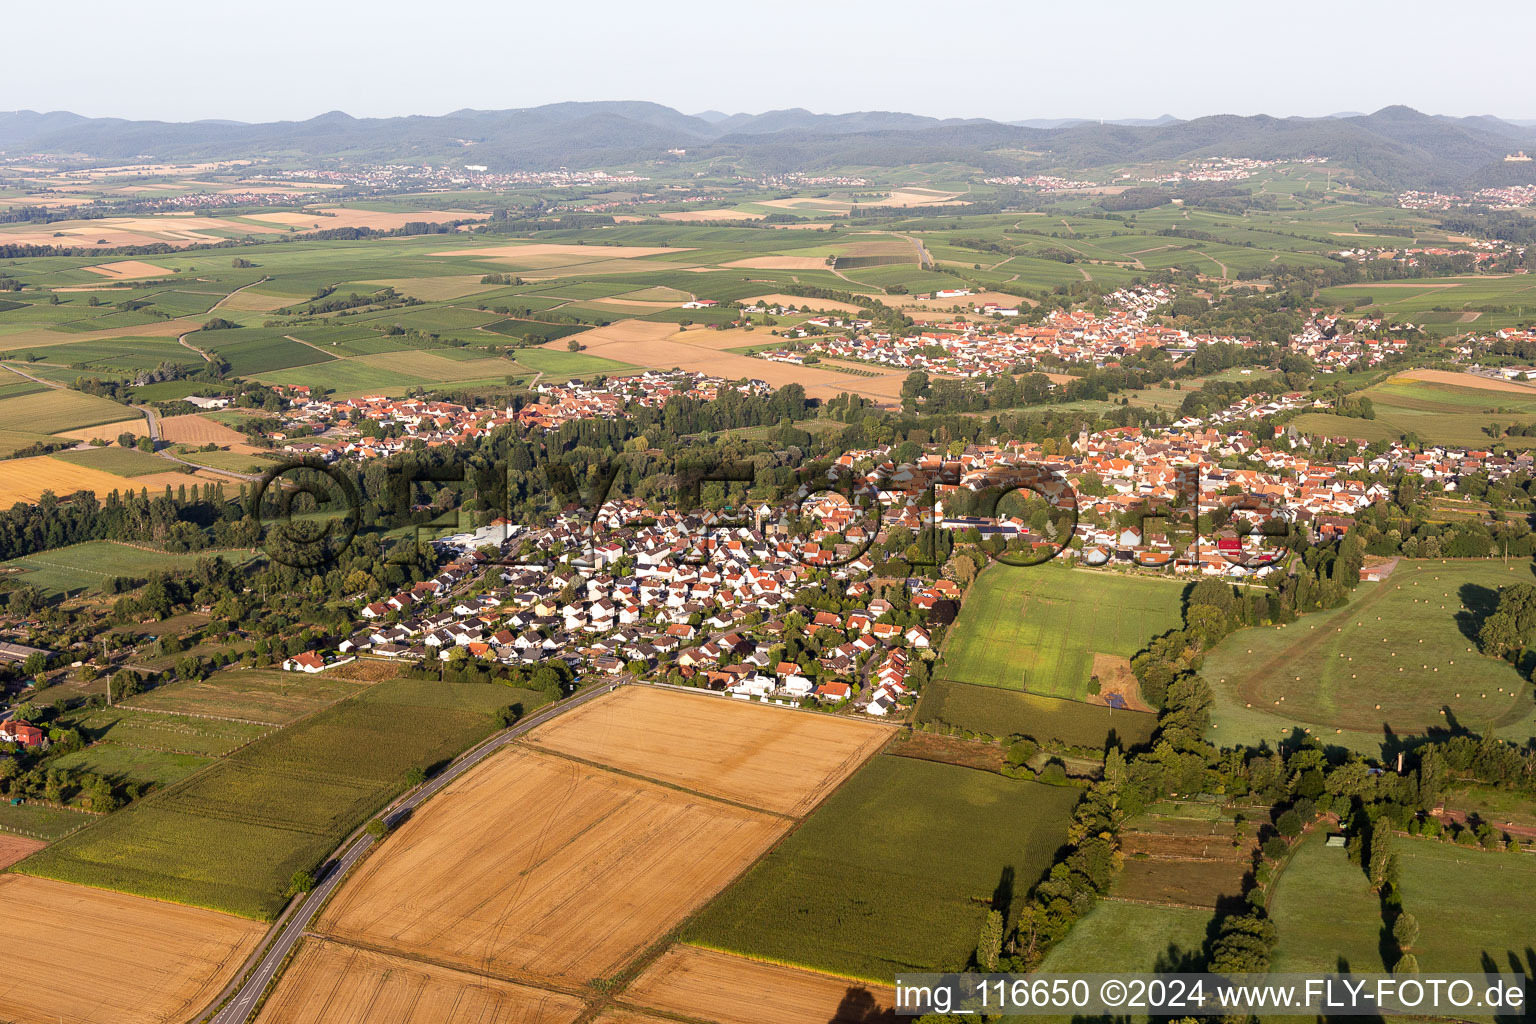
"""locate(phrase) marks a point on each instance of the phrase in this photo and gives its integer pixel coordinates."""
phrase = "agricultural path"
(291, 926)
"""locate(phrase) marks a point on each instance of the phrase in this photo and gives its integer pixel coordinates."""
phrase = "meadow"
(88, 566)
(1039, 628)
(228, 838)
(1326, 914)
(208, 737)
(994, 711)
(1387, 664)
(263, 696)
(895, 871)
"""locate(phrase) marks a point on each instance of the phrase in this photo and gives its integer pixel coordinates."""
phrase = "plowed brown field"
(13, 848)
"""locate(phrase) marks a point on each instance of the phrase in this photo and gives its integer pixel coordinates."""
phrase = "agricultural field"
(97, 957)
(39, 821)
(54, 411)
(14, 847)
(229, 837)
(117, 461)
(746, 753)
(994, 711)
(1047, 630)
(951, 840)
(1438, 408)
(1186, 861)
(575, 917)
(561, 870)
(329, 983)
(90, 565)
(1387, 664)
(124, 765)
(695, 983)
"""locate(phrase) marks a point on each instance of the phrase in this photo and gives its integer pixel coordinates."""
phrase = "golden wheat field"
(88, 956)
(329, 983)
(749, 753)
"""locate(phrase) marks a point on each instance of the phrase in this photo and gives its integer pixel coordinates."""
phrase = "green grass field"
(40, 822)
(203, 736)
(1038, 628)
(119, 461)
(125, 764)
(895, 871)
(268, 696)
(568, 364)
(994, 711)
(1325, 912)
(230, 837)
(1131, 937)
(1402, 643)
(1438, 413)
(90, 565)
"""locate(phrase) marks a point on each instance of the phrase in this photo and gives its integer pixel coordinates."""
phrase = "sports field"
(94, 957)
(942, 837)
(1039, 628)
(1401, 652)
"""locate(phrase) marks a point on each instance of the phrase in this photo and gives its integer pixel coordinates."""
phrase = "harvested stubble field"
(195, 428)
(734, 750)
(704, 984)
(539, 866)
(326, 218)
(88, 956)
(27, 479)
(56, 410)
(661, 345)
(330, 983)
(1468, 380)
(126, 270)
(105, 431)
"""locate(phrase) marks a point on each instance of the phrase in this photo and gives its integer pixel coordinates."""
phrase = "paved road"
(290, 928)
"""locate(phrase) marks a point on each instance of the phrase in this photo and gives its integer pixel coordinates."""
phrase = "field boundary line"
(235, 1004)
(534, 748)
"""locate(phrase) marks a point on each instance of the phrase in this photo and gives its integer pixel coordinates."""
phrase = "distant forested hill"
(1396, 146)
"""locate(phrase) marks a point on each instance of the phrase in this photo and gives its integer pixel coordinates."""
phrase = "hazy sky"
(283, 59)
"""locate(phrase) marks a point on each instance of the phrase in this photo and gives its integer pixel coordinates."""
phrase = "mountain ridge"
(1395, 146)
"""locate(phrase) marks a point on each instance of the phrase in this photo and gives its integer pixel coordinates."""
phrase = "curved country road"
(290, 927)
